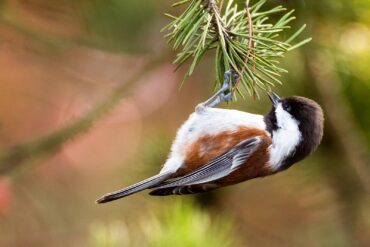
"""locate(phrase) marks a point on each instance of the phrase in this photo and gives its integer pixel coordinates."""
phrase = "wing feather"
(219, 167)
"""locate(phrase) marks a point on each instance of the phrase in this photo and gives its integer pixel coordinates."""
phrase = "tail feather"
(142, 185)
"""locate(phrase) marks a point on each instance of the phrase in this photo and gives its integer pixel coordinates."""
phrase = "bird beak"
(274, 98)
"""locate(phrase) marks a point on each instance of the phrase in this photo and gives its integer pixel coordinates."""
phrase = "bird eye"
(287, 107)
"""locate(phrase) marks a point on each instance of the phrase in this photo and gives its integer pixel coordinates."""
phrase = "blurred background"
(89, 103)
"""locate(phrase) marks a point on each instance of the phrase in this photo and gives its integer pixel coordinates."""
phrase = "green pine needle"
(244, 39)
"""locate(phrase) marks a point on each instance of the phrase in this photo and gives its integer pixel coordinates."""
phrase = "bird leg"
(220, 95)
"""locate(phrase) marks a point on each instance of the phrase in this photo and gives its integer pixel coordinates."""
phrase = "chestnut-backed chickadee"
(220, 147)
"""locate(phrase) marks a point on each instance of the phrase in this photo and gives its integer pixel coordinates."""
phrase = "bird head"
(295, 123)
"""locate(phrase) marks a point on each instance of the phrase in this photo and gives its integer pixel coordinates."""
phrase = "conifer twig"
(243, 38)
(250, 45)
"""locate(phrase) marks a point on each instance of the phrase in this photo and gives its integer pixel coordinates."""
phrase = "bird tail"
(142, 185)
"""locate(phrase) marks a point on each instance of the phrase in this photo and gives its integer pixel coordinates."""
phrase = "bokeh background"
(89, 103)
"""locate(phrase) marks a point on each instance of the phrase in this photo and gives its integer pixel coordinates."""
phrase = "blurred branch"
(14, 157)
(340, 117)
(243, 39)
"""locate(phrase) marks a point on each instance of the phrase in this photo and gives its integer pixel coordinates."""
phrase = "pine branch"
(244, 40)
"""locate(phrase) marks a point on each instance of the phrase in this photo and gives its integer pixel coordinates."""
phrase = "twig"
(238, 36)
(250, 45)
(221, 4)
(216, 13)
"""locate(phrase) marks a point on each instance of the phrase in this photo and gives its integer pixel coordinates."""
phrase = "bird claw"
(226, 98)
(235, 78)
(227, 86)
(224, 94)
(229, 73)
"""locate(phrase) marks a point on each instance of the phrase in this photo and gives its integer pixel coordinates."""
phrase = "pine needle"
(244, 39)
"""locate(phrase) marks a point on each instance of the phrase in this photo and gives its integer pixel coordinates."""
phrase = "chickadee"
(220, 147)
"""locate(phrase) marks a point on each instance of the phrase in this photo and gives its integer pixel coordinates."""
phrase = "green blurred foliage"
(113, 234)
(155, 150)
(184, 225)
(180, 224)
(121, 25)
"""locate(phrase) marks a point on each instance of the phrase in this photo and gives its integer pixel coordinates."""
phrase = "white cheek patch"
(285, 138)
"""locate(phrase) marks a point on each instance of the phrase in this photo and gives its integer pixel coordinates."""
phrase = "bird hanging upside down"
(220, 147)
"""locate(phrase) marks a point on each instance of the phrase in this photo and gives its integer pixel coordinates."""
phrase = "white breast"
(209, 121)
(285, 139)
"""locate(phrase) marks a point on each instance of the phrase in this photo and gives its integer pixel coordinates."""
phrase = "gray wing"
(217, 168)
